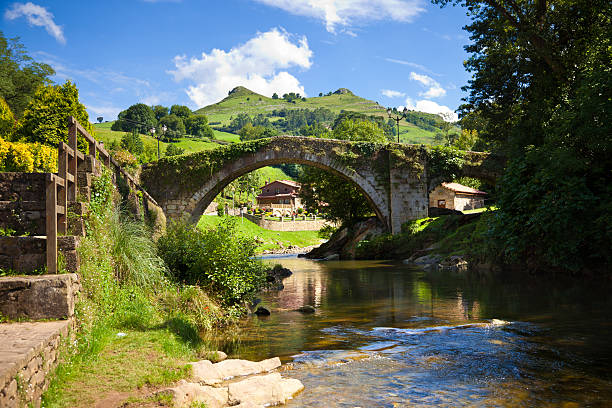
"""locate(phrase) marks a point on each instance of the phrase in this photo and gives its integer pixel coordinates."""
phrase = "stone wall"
(29, 353)
(39, 297)
(22, 202)
(27, 254)
(298, 225)
(441, 193)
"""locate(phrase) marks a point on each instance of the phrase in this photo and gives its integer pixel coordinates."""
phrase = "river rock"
(215, 356)
(185, 394)
(205, 372)
(266, 390)
(426, 260)
(306, 309)
(455, 263)
(262, 311)
(234, 368)
(332, 257)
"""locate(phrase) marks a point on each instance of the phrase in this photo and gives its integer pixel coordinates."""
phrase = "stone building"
(456, 196)
(280, 194)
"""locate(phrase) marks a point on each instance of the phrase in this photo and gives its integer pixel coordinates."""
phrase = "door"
(441, 203)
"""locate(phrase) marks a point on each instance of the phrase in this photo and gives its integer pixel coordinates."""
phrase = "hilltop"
(243, 100)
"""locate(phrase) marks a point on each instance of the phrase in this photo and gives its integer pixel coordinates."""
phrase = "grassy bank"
(271, 239)
(139, 319)
(446, 235)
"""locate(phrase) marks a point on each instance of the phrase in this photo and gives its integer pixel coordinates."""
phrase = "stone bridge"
(394, 178)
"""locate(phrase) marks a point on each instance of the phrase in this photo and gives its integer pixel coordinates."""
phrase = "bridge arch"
(210, 188)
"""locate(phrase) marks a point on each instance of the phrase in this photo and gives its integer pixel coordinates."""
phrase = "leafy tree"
(197, 125)
(359, 130)
(540, 92)
(250, 132)
(45, 119)
(238, 122)
(7, 120)
(139, 117)
(173, 150)
(315, 130)
(132, 142)
(160, 111)
(20, 75)
(175, 125)
(99, 119)
(274, 95)
(181, 111)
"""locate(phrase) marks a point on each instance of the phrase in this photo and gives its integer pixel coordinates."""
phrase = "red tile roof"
(460, 188)
(287, 182)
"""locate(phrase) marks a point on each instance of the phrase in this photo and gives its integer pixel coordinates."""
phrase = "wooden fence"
(62, 188)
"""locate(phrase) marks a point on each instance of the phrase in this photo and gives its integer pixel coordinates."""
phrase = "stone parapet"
(298, 225)
(39, 297)
(28, 355)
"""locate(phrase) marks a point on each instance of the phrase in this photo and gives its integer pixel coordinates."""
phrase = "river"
(389, 335)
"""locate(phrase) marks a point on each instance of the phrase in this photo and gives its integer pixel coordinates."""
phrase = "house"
(456, 196)
(280, 194)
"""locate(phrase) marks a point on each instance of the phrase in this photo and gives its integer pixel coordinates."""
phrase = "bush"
(219, 259)
(27, 157)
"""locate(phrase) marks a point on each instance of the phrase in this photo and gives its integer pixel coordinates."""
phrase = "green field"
(191, 145)
(271, 238)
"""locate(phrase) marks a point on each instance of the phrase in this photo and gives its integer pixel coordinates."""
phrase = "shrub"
(27, 157)
(219, 259)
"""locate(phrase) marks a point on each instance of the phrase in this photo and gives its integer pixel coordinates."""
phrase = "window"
(277, 190)
(441, 203)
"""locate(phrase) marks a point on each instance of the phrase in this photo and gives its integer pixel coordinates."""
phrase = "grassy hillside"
(242, 100)
(191, 145)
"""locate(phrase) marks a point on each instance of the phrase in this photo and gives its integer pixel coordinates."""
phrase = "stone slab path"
(20, 342)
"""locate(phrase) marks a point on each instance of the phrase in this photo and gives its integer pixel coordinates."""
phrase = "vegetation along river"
(388, 335)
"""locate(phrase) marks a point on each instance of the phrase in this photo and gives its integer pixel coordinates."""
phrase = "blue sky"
(395, 52)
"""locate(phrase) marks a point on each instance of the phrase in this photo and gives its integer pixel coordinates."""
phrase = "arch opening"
(213, 187)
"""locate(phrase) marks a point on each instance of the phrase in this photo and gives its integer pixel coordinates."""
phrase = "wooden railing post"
(51, 219)
(62, 171)
(73, 161)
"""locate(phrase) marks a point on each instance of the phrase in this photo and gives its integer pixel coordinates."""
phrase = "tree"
(139, 117)
(173, 150)
(197, 125)
(250, 132)
(20, 75)
(132, 142)
(160, 111)
(99, 119)
(175, 125)
(274, 95)
(45, 119)
(359, 131)
(7, 120)
(540, 92)
(181, 111)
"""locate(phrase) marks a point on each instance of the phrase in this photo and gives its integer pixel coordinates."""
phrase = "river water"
(388, 335)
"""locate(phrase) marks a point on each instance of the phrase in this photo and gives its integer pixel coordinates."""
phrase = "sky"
(189, 52)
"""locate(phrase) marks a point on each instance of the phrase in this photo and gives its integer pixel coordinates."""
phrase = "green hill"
(243, 100)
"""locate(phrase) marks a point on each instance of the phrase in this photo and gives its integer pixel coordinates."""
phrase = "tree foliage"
(540, 92)
(139, 117)
(20, 75)
(175, 126)
(45, 119)
(197, 125)
(181, 111)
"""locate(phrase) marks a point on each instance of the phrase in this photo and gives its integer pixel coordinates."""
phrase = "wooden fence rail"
(62, 188)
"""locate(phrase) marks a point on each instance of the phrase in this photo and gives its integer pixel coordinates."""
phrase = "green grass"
(226, 137)
(154, 358)
(270, 238)
(191, 145)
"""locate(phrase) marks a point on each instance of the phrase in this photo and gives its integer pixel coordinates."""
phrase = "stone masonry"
(28, 354)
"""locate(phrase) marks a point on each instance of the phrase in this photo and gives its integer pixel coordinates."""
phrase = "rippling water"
(386, 335)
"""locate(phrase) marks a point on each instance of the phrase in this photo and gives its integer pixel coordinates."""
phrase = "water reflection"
(388, 335)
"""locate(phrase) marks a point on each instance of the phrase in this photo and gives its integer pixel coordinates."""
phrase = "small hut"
(456, 196)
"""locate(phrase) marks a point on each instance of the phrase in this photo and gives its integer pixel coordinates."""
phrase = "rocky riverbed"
(234, 383)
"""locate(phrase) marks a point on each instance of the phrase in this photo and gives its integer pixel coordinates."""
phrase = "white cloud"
(432, 107)
(389, 93)
(258, 64)
(345, 13)
(36, 16)
(434, 91)
(413, 65)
